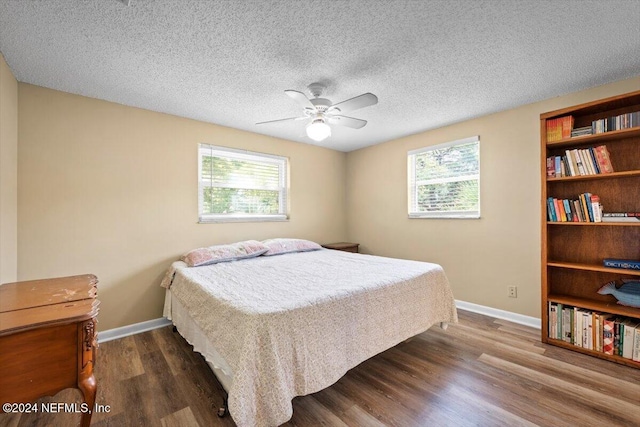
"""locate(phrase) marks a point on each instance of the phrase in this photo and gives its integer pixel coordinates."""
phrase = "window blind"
(444, 180)
(237, 185)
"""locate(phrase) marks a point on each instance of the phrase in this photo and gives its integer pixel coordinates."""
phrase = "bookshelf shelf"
(572, 252)
(593, 353)
(579, 141)
(625, 174)
(597, 224)
(593, 267)
(607, 307)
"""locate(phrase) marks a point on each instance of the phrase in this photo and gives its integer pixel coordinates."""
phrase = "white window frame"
(412, 184)
(234, 154)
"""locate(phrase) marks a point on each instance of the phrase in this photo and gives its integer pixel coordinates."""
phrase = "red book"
(604, 160)
(556, 205)
(551, 167)
(607, 335)
(567, 126)
(554, 130)
(562, 215)
(595, 207)
(549, 132)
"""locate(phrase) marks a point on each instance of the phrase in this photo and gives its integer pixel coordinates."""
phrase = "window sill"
(218, 220)
(444, 216)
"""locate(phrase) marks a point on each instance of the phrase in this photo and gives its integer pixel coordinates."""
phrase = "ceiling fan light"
(318, 130)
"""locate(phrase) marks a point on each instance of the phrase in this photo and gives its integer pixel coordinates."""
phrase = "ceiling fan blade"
(300, 98)
(347, 121)
(361, 101)
(282, 120)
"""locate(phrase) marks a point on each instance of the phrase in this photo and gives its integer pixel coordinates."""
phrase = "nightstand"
(343, 246)
(48, 339)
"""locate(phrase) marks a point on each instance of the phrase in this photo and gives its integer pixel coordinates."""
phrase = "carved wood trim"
(89, 342)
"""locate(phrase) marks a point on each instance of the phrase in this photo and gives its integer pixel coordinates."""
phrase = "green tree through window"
(444, 180)
(241, 185)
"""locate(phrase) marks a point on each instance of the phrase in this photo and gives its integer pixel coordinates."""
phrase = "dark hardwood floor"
(480, 372)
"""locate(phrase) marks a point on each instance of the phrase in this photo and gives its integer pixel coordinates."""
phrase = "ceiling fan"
(321, 112)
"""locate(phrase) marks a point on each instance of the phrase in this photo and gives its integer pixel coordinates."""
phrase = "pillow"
(285, 246)
(224, 253)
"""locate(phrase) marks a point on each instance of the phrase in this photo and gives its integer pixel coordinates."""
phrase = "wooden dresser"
(48, 339)
(343, 246)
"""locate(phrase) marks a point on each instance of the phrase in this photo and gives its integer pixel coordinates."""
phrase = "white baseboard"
(521, 319)
(136, 328)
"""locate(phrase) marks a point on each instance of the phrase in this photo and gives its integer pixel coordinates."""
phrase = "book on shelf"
(581, 131)
(594, 159)
(581, 165)
(577, 327)
(559, 128)
(567, 210)
(617, 336)
(635, 219)
(580, 162)
(567, 325)
(578, 211)
(636, 345)
(585, 201)
(595, 208)
(620, 214)
(586, 208)
(628, 264)
(559, 321)
(554, 132)
(587, 330)
(620, 122)
(571, 163)
(587, 161)
(607, 334)
(629, 330)
(551, 212)
(553, 320)
(603, 158)
(597, 335)
(559, 210)
(594, 330)
(551, 167)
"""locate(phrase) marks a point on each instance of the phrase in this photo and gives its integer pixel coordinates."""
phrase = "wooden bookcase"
(573, 252)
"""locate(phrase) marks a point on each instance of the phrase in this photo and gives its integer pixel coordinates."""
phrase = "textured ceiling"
(431, 63)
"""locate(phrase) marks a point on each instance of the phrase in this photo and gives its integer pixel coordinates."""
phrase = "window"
(444, 180)
(236, 185)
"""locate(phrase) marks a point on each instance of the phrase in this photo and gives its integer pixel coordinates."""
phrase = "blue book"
(587, 197)
(552, 210)
(594, 160)
(558, 160)
(622, 263)
(568, 210)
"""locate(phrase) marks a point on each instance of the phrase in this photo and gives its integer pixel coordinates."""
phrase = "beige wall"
(8, 174)
(481, 257)
(112, 190)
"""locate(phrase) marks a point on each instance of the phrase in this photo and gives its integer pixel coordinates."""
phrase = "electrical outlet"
(513, 292)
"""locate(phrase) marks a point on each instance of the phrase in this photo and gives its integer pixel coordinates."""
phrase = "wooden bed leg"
(224, 409)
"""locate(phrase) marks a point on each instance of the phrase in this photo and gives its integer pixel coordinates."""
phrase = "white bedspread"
(291, 325)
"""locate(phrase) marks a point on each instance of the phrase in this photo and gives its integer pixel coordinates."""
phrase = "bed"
(276, 327)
